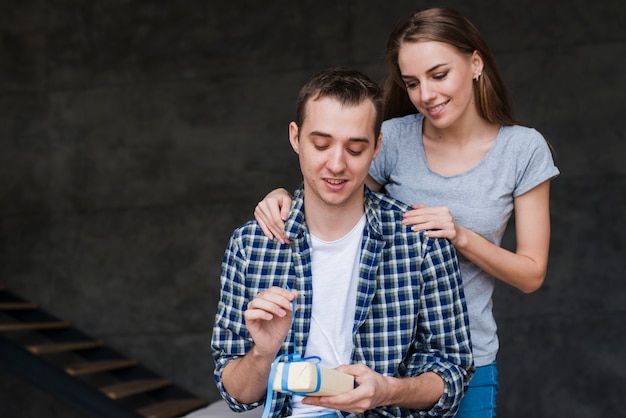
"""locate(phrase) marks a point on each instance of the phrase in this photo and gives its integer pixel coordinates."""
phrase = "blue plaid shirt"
(410, 315)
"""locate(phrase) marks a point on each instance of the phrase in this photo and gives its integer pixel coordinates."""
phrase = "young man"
(374, 299)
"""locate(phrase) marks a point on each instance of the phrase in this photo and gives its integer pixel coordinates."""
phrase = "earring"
(477, 76)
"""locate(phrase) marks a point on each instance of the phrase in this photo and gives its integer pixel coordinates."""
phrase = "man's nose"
(336, 160)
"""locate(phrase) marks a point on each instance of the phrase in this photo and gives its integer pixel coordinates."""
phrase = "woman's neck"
(457, 149)
(470, 129)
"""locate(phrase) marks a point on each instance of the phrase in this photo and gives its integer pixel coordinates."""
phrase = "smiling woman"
(453, 148)
(449, 27)
(432, 83)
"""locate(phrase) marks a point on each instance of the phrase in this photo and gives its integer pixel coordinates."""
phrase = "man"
(374, 300)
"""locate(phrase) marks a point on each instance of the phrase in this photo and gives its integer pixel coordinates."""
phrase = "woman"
(452, 147)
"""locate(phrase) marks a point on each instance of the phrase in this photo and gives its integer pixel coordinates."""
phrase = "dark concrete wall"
(136, 134)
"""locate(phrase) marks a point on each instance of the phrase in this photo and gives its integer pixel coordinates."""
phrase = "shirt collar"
(296, 226)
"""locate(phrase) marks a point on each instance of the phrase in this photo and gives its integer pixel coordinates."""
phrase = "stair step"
(17, 306)
(171, 408)
(99, 366)
(124, 389)
(23, 360)
(61, 347)
(33, 326)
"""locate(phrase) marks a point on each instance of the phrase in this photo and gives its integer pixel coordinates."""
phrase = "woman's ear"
(293, 137)
(477, 64)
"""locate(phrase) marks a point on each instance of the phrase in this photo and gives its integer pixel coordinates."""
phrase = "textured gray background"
(136, 134)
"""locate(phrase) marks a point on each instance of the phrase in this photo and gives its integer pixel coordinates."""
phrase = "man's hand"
(370, 392)
(268, 319)
(375, 390)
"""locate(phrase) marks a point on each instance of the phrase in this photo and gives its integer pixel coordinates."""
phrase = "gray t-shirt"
(480, 199)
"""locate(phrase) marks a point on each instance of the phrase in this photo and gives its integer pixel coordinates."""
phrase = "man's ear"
(377, 148)
(293, 137)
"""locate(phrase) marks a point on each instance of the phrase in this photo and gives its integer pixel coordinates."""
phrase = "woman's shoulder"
(522, 139)
(522, 133)
(401, 129)
(403, 121)
(526, 145)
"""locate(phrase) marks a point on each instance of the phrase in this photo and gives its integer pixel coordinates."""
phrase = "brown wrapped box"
(303, 378)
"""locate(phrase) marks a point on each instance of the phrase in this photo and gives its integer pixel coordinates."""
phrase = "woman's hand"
(525, 268)
(271, 213)
(437, 221)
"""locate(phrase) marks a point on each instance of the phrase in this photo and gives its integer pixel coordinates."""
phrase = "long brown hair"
(451, 27)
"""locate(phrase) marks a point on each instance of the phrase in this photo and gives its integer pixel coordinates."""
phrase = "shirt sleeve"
(443, 341)
(534, 163)
(381, 166)
(230, 338)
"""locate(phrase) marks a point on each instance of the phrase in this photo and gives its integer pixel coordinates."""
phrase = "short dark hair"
(348, 86)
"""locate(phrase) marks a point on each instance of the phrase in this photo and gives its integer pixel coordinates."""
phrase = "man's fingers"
(276, 301)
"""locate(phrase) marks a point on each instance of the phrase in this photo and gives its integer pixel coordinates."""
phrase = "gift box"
(302, 377)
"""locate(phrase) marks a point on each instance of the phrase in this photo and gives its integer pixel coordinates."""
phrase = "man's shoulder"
(250, 227)
(390, 214)
(250, 234)
(387, 213)
(387, 205)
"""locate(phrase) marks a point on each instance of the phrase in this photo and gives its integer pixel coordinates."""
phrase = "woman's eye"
(440, 76)
(411, 84)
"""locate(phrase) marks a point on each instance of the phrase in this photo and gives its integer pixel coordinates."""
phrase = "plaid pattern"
(410, 315)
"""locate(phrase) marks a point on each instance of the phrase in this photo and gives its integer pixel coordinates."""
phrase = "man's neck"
(330, 223)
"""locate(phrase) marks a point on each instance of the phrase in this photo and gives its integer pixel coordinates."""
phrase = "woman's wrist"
(461, 240)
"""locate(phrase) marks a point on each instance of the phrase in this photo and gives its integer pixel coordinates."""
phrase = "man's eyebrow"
(327, 135)
(320, 133)
(360, 139)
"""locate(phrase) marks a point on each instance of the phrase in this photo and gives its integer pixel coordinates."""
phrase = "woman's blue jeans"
(480, 399)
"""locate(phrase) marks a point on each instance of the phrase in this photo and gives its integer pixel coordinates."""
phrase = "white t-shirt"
(335, 270)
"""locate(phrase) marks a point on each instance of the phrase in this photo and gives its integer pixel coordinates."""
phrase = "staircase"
(82, 371)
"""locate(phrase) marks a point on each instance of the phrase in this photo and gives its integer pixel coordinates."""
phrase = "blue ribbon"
(285, 377)
(290, 358)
